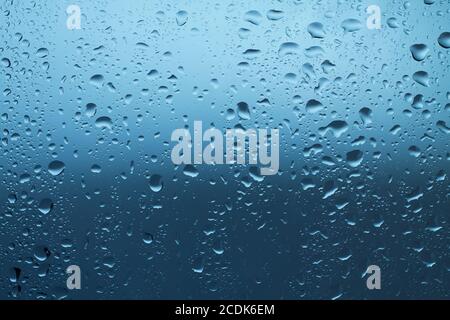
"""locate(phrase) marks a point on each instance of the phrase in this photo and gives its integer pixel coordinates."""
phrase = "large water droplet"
(315, 29)
(198, 265)
(366, 115)
(442, 126)
(253, 16)
(97, 80)
(41, 253)
(91, 109)
(6, 63)
(251, 53)
(444, 40)
(288, 48)
(275, 14)
(42, 52)
(156, 183)
(354, 158)
(56, 167)
(351, 25)
(422, 78)
(147, 238)
(190, 171)
(414, 151)
(182, 17)
(419, 51)
(337, 127)
(313, 106)
(95, 168)
(243, 111)
(45, 206)
(103, 122)
(393, 23)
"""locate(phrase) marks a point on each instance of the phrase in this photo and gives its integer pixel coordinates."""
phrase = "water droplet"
(97, 80)
(314, 51)
(103, 122)
(366, 115)
(42, 52)
(91, 109)
(288, 48)
(182, 18)
(354, 158)
(414, 151)
(14, 274)
(313, 106)
(251, 53)
(156, 183)
(152, 74)
(109, 262)
(337, 127)
(444, 40)
(45, 206)
(147, 238)
(230, 114)
(96, 168)
(253, 16)
(6, 63)
(56, 167)
(218, 247)
(315, 29)
(198, 265)
(274, 14)
(422, 78)
(442, 126)
(243, 111)
(12, 198)
(190, 171)
(351, 25)
(41, 253)
(142, 45)
(419, 51)
(393, 23)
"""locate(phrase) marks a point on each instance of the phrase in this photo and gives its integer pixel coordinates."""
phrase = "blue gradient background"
(279, 240)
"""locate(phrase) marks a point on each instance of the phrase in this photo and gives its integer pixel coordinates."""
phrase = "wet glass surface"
(87, 179)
